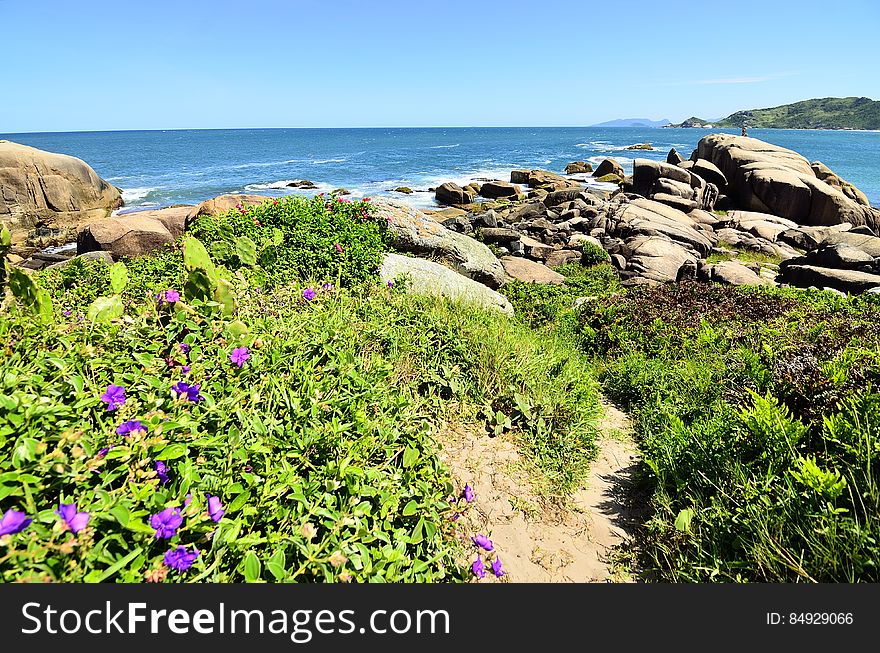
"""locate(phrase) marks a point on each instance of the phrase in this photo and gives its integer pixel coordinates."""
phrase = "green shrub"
(334, 240)
(759, 424)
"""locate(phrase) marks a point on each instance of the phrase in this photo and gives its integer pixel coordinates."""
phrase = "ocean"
(161, 168)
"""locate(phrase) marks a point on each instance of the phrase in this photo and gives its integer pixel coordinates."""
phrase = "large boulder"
(429, 278)
(123, 236)
(825, 173)
(609, 167)
(493, 189)
(848, 281)
(40, 188)
(578, 168)
(222, 204)
(530, 272)
(452, 193)
(415, 232)
(734, 274)
(173, 218)
(542, 179)
(772, 179)
(763, 225)
(648, 218)
(657, 259)
(673, 185)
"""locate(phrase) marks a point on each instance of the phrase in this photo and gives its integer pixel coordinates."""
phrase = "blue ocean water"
(160, 168)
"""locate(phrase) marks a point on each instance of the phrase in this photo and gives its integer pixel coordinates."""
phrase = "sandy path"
(537, 543)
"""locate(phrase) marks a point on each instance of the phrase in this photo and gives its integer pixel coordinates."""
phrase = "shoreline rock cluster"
(738, 211)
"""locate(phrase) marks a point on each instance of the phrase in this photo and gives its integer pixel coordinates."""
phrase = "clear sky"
(134, 64)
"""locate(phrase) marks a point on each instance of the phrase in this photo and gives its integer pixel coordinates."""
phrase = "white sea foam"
(130, 195)
(443, 147)
(284, 185)
(322, 161)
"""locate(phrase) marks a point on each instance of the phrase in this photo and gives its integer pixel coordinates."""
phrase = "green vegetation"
(759, 424)
(741, 255)
(272, 410)
(822, 113)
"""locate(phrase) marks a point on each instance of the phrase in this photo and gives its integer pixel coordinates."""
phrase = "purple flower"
(13, 521)
(180, 558)
(170, 296)
(162, 472)
(67, 312)
(478, 568)
(166, 523)
(468, 493)
(76, 521)
(114, 397)
(191, 392)
(131, 425)
(103, 452)
(483, 542)
(215, 508)
(239, 356)
(184, 347)
(185, 369)
(187, 500)
(496, 567)
(327, 286)
(339, 248)
(391, 285)
(308, 294)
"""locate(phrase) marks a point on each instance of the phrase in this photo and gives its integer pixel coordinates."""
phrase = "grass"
(319, 446)
(741, 255)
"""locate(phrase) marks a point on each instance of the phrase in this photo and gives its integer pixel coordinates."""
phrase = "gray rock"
(88, 256)
(452, 193)
(415, 232)
(123, 236)
(848, 281)
(495, 189)
(674, 158)
(429, 278)
(530, 272)
(735, 274)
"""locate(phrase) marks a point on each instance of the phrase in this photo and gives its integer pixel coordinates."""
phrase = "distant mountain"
(633, 122)
(693, 121)
(822, 113)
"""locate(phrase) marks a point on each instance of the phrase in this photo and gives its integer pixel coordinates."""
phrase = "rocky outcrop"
(543, 179)
(495, 189)
(609, 167)
(732, 273)
(824, 173)
(848, 281)
(44, 189)
(429, 278)
(578, 168)
(452, 193)
(415, 232)
(671, 185)
(123, 236)
(222, 204)
(771, 179)
(529, 271)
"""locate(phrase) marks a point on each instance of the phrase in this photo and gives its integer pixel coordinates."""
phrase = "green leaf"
(97, 576)
(277, 237)
(252, 567)
(196, 257)
(118, 277)
(28, 293)
(246, 250)
(104, 309)
(683, 521)
(277, 565)
(410, 456)
(171, 452)
(410, 509)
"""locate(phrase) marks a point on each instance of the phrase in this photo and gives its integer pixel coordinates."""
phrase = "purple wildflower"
(103, 452)
(327, 286)
(483, 542)
(67, 312)
(181, 558)
(162, 472)
(191, 392)
(170, 296)
(166, 523)
(187, 500)
(131, 425)
(468, 493)
(496, 567)
(76, 521)
(184, 347)
(308, 294)
(185, 369)
(239, 356)
(478, 568)
(13, 521)
(114, 397)
(215, 508)
(390, 285)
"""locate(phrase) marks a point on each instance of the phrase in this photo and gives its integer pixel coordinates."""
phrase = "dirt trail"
(537, 543)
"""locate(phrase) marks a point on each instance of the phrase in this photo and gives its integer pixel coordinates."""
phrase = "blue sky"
(95, 65)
